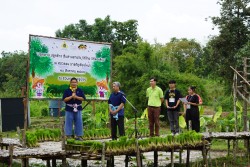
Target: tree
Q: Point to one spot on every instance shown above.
(42, 65)
(13, 74)
(101, 69)
(233, 24)
(121, 34)
(185, 54)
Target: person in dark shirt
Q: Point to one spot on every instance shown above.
(192, 110)
(116, 109)
(73, 97)
(172, 98)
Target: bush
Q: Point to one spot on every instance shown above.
(45, 112)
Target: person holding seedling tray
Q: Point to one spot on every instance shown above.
(73, 97)
(116, 109)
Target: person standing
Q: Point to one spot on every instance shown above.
(73, 97)
(155, 99)
(192, 110)
(172, 97)
(116, 109)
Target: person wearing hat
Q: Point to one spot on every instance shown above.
(172, 99)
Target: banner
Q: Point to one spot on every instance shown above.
(53, 62)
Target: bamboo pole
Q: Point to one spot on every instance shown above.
(246, 82)
(245, 120)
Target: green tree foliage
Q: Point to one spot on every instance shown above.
(233, 24)
(99, 68)
(13, 74)
(42, 65)
(121, 34)
(184, 53)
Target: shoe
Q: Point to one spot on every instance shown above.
(79, 138)
(69, 137)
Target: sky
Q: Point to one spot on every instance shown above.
(159, 20)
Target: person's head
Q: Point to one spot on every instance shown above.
(116, 86)
(191, 90)
(172, 84)
(153, 81)
(73, 82)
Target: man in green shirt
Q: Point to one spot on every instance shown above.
(155, 99)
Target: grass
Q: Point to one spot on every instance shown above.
(221, 145)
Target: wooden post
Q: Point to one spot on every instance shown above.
(103, 154)
(64, 161)
(126, 161)
(228, 147)
(63, 133)
(180, 156)
(25, 101)
(19, 133)
(25, 162)
(235, 100)
(245, 95)
(48, 162)
(234, 149)
(204, 152)
(155, 159)
(172, 157)
(11, 155)
(84, 163)
(53, 162)
(188, 157)
(138, 153)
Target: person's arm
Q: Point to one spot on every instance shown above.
(161, 96)
(177, 104)
(118, 109)
(78, 98)
(81, 96)
(195, 101)
(68, 98)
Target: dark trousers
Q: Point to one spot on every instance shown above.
(153, 118)
(114, 124)
(173, 118)
(194, 117)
